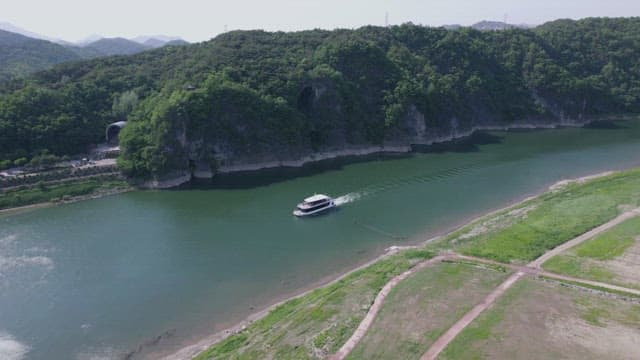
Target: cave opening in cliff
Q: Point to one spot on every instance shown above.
(305, 99)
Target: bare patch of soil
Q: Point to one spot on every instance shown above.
(613, 341)
(549, 321)
(627, 266)
(424, 306)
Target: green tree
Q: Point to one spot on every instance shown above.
(124, 104)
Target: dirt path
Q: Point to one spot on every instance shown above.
(377, 305)
(469, 317)
(537, 263)
(589, 282)
(461, 324)
(532, 268)
(539, 272)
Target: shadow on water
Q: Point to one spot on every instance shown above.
(605, 125)
(467, 144)
(253, 179)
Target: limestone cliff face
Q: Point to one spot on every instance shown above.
(226, 145)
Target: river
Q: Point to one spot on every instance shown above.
(148, 272)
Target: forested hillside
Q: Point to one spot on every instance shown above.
(251, 96)
(23, 55)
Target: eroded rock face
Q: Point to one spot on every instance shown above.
(415, 124)
(330, 128)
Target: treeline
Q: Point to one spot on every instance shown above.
(251, 92)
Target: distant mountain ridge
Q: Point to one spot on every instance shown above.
(6, 26)
(21, 55)
(122, 46)
(89, 39)
(488, 25)
(23, 52)
(160, 38)
(117, 46)
(178, 42)
(153, 41)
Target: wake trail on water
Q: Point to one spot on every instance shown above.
(10, 348)
(424, 178)
(15, 261)
(348, 198)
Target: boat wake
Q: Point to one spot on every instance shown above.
(424, 178)
(17, 262)
(10, 348)
(348, 198)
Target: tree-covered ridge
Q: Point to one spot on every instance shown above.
(21, 55)
(249, 93)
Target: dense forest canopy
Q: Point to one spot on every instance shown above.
(21, 55)
(248, 92)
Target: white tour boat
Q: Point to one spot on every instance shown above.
(314, 205)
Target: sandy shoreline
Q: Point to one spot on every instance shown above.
(202, 345)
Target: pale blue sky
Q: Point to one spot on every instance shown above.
(197, 20)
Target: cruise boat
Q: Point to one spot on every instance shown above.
(313, 205)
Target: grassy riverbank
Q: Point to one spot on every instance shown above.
(318, 323)
(39, 194)
(524, 232)
(610, 257)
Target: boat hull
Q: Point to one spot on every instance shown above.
(329, 206)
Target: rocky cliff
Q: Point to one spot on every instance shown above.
(284, 99)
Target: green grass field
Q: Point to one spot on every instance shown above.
(590, 259)
(528, 230)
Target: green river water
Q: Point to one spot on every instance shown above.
(151, 271)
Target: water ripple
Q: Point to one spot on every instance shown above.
(423, 178)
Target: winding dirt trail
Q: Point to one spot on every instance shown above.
(537, 263)
(589, 282)
(532, 268)
(461, 324)
(377, 305)
(529, 270)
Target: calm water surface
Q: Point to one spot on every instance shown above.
(102, 278)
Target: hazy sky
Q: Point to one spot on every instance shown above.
(197, 20)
